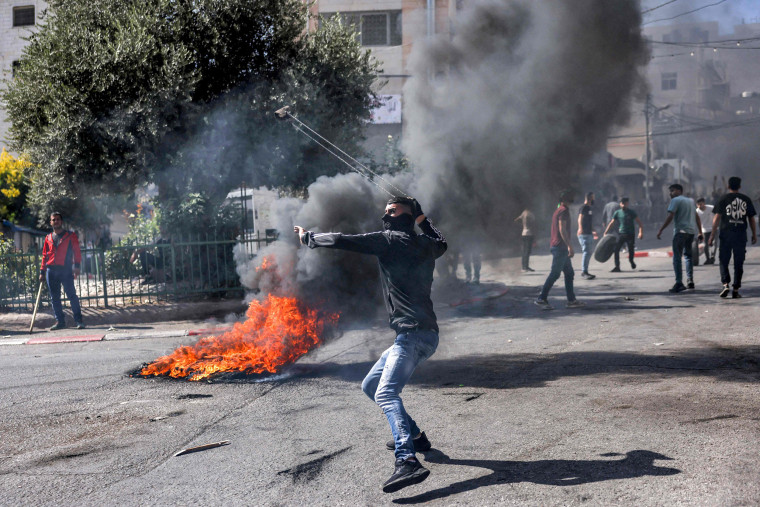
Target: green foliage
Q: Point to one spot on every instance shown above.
(143, 226)
(13, 185)
(113, 93)
(18, 272)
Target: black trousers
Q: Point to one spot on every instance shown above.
(736, 246)
(624, 239)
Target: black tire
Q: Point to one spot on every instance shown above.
(605, 248)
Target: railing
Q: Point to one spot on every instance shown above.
(185, 268)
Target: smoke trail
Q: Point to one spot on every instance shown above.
(519, 99)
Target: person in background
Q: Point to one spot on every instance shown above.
(686, 224)
(705, 213)
(732, 214)
(562, 252)
(586, 234)
(609, 209)
(624, 219)
(528, 221)
(61, 263)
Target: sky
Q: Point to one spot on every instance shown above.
(728, 12)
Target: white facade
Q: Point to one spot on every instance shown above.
(12, 41)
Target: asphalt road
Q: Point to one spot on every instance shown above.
(641, 398)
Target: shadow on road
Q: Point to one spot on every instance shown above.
(510, 371)
(554, 472)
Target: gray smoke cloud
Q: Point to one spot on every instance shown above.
(523, 95)
(498, 118)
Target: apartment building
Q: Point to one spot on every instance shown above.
(389, 29)
(18, 18)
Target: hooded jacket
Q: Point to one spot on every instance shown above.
(406, 260)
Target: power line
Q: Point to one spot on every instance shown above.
(655, 8)
(685, 13)
(687, 131)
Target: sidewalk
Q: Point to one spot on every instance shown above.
(18, 323)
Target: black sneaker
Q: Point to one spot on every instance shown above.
(57, 326)
(616, 269)
(421, 443)
(679, 287)
(725, 291)
(690, 284)
(408, 472)
(735, 294)
(79, 325)
(633, 265)
(588, 276)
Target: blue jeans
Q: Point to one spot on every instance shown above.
(587, 247)
(560, 264)
(682, 248)
(389, 375)
(55, 278)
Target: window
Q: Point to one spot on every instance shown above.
(23, 16)
(378, 28)
(14, 67)
(669, 80)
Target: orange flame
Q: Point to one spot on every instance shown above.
(277, 332)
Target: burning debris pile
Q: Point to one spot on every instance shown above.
(278, 331)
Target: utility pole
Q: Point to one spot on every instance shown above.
(649, 108)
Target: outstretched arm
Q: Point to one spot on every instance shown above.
(374, 243)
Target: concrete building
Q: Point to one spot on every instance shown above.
(389, 28)
(18, 18)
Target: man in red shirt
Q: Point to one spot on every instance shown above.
(61, 259)
(562, 252)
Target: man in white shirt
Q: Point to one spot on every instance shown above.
(705, 212)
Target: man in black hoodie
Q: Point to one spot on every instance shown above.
(406, 260)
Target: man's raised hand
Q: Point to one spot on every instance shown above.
(417, 213)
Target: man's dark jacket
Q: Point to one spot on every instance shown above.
(406, 262)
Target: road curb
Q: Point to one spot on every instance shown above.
(204, 332)
(174, 333)
(65, 339)
(653, 253)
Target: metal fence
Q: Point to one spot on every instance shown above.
(201, 266)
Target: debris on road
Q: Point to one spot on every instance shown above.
(202, 448)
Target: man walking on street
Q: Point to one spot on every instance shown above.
(406, 260)
(586, 234)
(624, 218)
(562, 252)
(732, 213)
(61, 261)
(705, 214)
(686, 224)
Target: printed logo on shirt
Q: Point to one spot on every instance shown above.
(736, 211)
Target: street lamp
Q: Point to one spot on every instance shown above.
(649, 108)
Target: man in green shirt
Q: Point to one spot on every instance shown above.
(624, 219)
